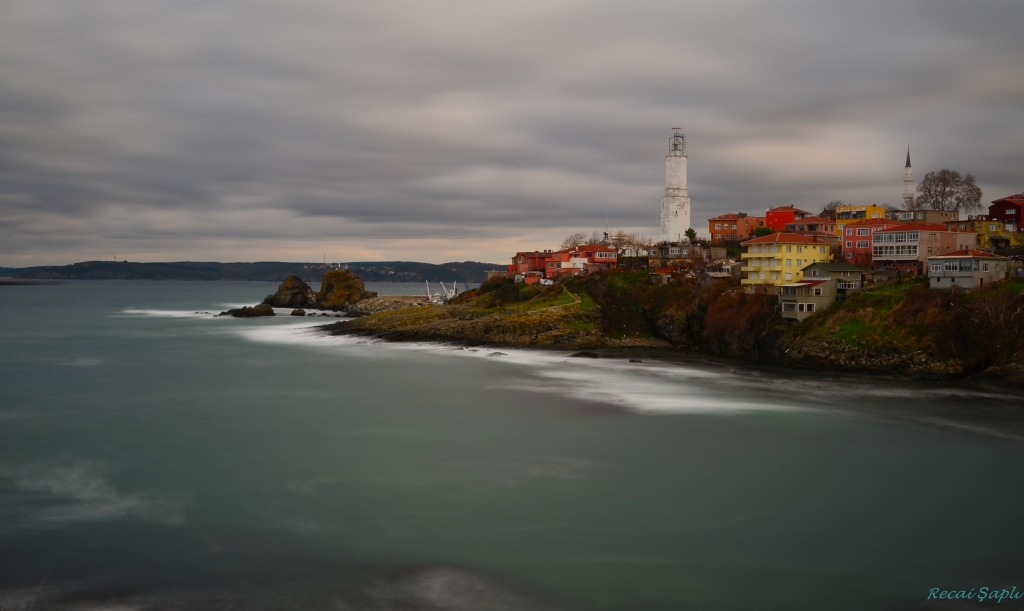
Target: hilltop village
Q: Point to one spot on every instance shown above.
(809, 260)
(902, 291)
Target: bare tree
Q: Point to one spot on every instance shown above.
(829, 210)
(573, 240)
(595, 237)
(947, 190)
(891, 212)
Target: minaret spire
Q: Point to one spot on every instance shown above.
(908, 184)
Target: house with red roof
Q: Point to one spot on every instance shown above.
(586, 259)
(777, 218)
(1008, 210)
(967, 269)
(906, 247)
(855, 242)
(729, 227)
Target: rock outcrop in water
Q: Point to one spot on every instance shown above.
(340, 289)
(293, 293)
(376, 305)
(262, 309)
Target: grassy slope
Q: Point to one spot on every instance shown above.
(905, 328)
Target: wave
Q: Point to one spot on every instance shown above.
(649, 387)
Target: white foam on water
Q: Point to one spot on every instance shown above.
(170, 313)
(649, 387)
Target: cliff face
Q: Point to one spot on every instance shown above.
(341, 288)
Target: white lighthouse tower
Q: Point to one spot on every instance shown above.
(675, 205)
(908, 185)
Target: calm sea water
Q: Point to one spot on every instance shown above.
(153, 457)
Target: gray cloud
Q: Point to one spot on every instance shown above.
(451, 130)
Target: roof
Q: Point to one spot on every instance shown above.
(1016, 198)
(718, 274)
(786, 238)
(812, 220)
(875, 222)
(908, 156)
(725, 217)
(921, 227)
(968, 253)
(807, 282)
(837, 267)
(787, 209)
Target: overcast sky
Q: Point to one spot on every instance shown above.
(437, 131)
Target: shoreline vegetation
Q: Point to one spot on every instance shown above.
(901, 330)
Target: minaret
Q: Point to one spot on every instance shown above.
(675, 205)
(908, 185)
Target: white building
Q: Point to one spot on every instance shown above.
(675, 205)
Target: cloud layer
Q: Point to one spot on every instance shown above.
(466, 130)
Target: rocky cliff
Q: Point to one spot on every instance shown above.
(340, 289)
(904, 330)
(293, 293)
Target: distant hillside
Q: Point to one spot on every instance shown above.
(272, 271)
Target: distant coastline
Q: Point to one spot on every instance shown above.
(266, 271)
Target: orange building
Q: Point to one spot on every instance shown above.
(733, 227)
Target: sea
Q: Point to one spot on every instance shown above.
(154, 456)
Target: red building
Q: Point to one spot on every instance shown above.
(1008, 210)
(777, 218)
(729, 227)
(856, 241)
(585, 259)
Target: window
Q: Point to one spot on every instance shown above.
(993, 227)
(817, 291)
(789, 248)
(849, 244)
(762, 276)
(551, 264)
(733, 227)
(775, 275)
(800, 307)
(862, 243)
(863, 232)
(984, 267)
(1011, 211)
(814, 272)
(799, 262)
(789, 275)
(799, 248)
(756, 262)
(849, 232)
(810, 307)
(929, 250)
(932, 237)
(718, 225)
(788, 306)
(821, 249)
(789, 262)
(849, 255)
(757, 248)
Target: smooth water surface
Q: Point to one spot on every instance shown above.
(153, 456)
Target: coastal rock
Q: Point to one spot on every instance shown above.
(375, 305)
(298, 312)
(293, 293)
(262, 309)
(340, 289)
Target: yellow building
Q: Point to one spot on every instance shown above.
(992, 233)
(848, 213)
(779, 258)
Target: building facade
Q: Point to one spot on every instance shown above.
(848, 213)
(992, 233)
(814, 225)
(776, 259)
(906, 247)
(729, 227)
(777, 218)
(822, 284)
(675, 204)
(586, 259)
(855, 242)
(967, 269)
